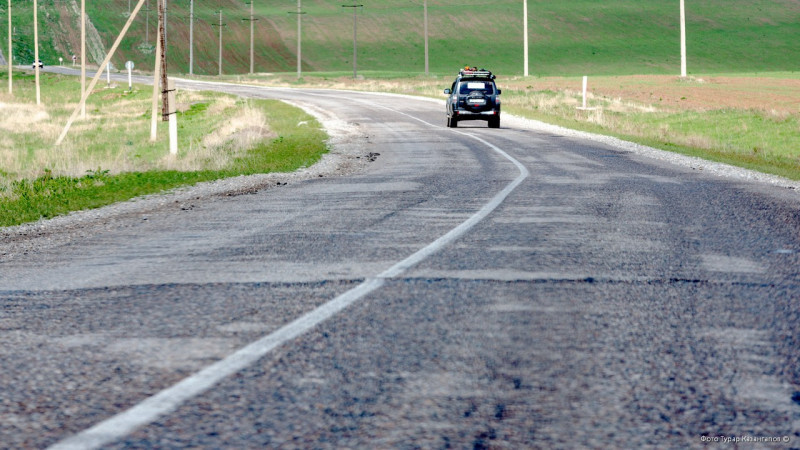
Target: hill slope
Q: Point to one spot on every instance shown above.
(566, 38)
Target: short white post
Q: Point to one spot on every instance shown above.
(173, 119)
(585, 79)
(60, 61)
(129, 66)
(108, 74)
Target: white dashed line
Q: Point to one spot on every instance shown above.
(171, 398)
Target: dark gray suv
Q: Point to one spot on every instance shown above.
(473, 96)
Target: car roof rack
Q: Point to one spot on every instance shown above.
(475, 72)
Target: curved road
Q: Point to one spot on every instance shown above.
(472, 288)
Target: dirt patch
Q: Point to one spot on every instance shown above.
(674, 93)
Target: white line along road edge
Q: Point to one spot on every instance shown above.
(126, 422)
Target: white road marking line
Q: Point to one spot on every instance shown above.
(171, 398)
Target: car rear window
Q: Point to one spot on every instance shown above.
(470, 85)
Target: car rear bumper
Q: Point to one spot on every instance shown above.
(470, 115)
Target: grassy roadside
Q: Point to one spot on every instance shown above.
(746, 120)
(109, 158)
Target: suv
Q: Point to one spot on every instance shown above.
(473, 96)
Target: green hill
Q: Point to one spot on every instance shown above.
(566, 38)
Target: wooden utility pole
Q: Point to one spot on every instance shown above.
(252, 29)
(425, 27)
(252, 20)
(165, 24)
(36, 50)
(191, 37)
(220, 25)
(156, 84)
(299, 39)
(355, 34)
(220, 42)
(10, 54)
(162, 38)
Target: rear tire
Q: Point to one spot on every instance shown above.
(494, 122)
(452, 122)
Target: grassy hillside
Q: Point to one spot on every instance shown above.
(612, 37)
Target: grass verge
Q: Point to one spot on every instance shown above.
(109, 157)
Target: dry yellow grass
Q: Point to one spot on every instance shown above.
(16, 116)
(29, 133)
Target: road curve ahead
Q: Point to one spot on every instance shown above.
(472, 288)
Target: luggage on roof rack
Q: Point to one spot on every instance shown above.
(475, 72)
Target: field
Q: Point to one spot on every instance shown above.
(620, 37)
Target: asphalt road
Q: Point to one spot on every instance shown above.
(471, 288)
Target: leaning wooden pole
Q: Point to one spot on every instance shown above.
(99, 72)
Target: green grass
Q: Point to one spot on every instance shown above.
(753, 139)
(566, 38)
(128, 164)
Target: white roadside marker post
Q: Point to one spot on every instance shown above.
(583, 106)
(129, 66)
(585, 81)
(108, 75)
(173, 119)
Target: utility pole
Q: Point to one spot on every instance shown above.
(162, 31)
(252, 30)
(36, 50)
(525, 33)
(156, 82)
(299, 40)
(683, 40)
(355, 45)
(83, 58)
(10, 54)
(191, 37)
(165, 25)
(425, 26)
(220, 41)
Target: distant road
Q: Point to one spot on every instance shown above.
(472, 288)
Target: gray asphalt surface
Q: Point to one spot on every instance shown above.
(610, 301)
